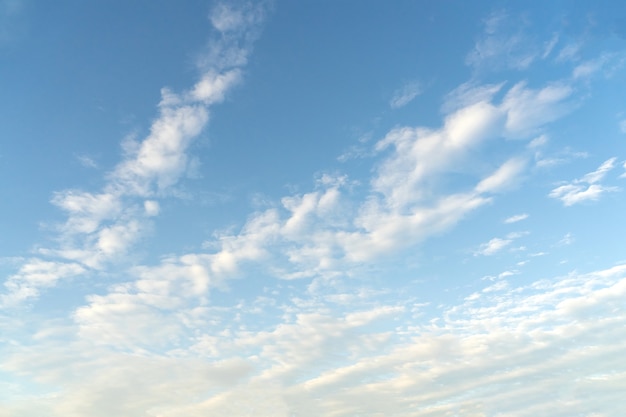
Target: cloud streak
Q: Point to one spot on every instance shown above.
(405, 95)
(587, 188)
(516, 218)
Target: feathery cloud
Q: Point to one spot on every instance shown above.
(405, 95)
(516, 218)
(586, 188)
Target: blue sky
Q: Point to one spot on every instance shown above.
(312, 208)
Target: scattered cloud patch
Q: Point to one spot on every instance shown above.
(493, 246)
(587, 188)
(538, 142)
(497, 244)
(307, 306)
(86, 161)
(35, 274)
(405, 95)
(569, 52)
(504, 177)
(496, 344)
(606, 63)
(505, 43)
(151, 207)
(469, 93)
(568, 239)
(528, 109)
(549, 46)
(516, 218)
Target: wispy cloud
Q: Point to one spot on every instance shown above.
(405, 95)
(504, 177)
(516, 218)
(528, 109)
(549, 46)
(606, 64)
(493, 246)
(569, 52)
(469, 93)
(586, 188)
(505, 43)
(497, 244)
(86, 161)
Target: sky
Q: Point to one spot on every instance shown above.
(312, 208)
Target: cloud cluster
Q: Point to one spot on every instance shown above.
(324, 233)
(168, 339)
(553, 346)
(101, 227)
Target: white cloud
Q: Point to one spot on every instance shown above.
(586, 188)
(503, 177)
(243, 18)
(211, 88)
(568, 239)
(164, 344)
(528, 109)
(549, 46)
(151, 207)
(86, 211)
(538, 142)
(508, 350)
(421, 153)
(101, 227)
(323, 232)
(496, 244)
(225, 18)
(493, 246)
(469, 93)
(405, 95)
(569, 52)
(516, 218)
(35, 274)
(573, 194)
(587, 69)
(598, 174)
(608, 63)
(86, 161)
